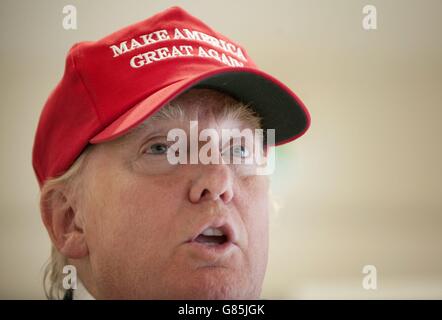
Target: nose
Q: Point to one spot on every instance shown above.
(212, 182)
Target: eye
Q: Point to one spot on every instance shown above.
(240, 151)
(158, 148)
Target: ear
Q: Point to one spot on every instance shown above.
(63, 222)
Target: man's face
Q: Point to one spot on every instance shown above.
(143, 217)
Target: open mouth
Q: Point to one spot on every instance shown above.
(213, 241)
(211, 237)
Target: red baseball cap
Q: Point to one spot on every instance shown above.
(112, 85)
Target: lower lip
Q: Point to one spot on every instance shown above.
(211, 251)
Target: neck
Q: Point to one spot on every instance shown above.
(81, 293)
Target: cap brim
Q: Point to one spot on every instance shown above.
(275, 103)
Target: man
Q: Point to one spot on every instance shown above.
(129, 198)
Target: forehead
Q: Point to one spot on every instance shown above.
(204, 105)
(200, 103)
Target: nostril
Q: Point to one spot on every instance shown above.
(204, 193)
(226, 197)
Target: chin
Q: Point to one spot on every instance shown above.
(215, 288)
(216, 293)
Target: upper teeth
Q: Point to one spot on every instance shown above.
(212, 232)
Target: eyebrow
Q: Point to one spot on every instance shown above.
(149, 128)
(176, 113)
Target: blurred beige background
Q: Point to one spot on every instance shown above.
(362, 187)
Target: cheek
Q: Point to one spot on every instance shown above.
(255, 208)
(133, 216)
